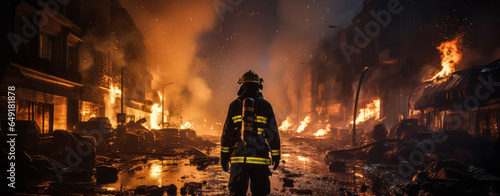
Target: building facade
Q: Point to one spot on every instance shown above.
(61, 72)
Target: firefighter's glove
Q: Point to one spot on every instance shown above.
(224, 162)
(276, 162)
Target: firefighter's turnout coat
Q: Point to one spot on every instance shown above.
(234, 149)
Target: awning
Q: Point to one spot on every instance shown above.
(35, 80)
(454, 89)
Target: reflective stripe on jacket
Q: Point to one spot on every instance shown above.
(268, 140)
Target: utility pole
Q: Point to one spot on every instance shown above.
(121, 118)
(122, 93)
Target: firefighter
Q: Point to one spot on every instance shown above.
(249, 135)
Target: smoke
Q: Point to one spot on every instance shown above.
(304, 25)
(276, 39)
(103, 43)
(203, 56)
(171, 30)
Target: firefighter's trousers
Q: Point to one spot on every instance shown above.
(258, 175)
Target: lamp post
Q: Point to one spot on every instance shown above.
(356, 106)
(162, 101)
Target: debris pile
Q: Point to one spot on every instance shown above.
(421, 162)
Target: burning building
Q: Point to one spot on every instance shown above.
(44, 65)
(398, 41)
(421, 65)
(465, 100)
(69, 68)
(113, 53)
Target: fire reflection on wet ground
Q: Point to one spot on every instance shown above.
(166, 172)
(302, 171)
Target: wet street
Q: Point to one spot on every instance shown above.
(302, 171)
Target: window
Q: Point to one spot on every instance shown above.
(72, 52)
(41, 113)
(72, 57)
(60, 108)
(45, 46)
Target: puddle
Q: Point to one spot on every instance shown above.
(166, 172)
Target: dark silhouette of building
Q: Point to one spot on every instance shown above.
(62, 59)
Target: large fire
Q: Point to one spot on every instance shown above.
(155, 117)
(187, 125)
(286, 124)
(114, 92)
(110, 103)
(304, 124)
(371, 110)
(322, 132)
(450, 57)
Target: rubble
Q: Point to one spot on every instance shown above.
(42, 164)
(372, 168)
(201, 159)
(149, 190)
(288, 182)
(106, 174)
(192, 187)
(449, 163)
(171, 190)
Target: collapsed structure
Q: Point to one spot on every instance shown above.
(467, 100)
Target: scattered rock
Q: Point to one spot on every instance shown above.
(106, 174)
(154, 191)
(171, 189)
(288, 182)
(302, 191)
(293, 175)
(183, 191)
(363, 188)
(140, 190)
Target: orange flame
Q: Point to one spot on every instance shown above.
(304, 124)
(322, 132)
(286, 124)
(110, 103)
(155, 116)
(114, 92)
(371, 110)
(187, 125)
(450, 57)
(160, 95)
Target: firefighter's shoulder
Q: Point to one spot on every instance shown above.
(265, 103)
(236, 102)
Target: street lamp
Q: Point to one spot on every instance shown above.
(162, 101)
(356, 105)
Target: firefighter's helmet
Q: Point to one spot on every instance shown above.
(250, 77)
